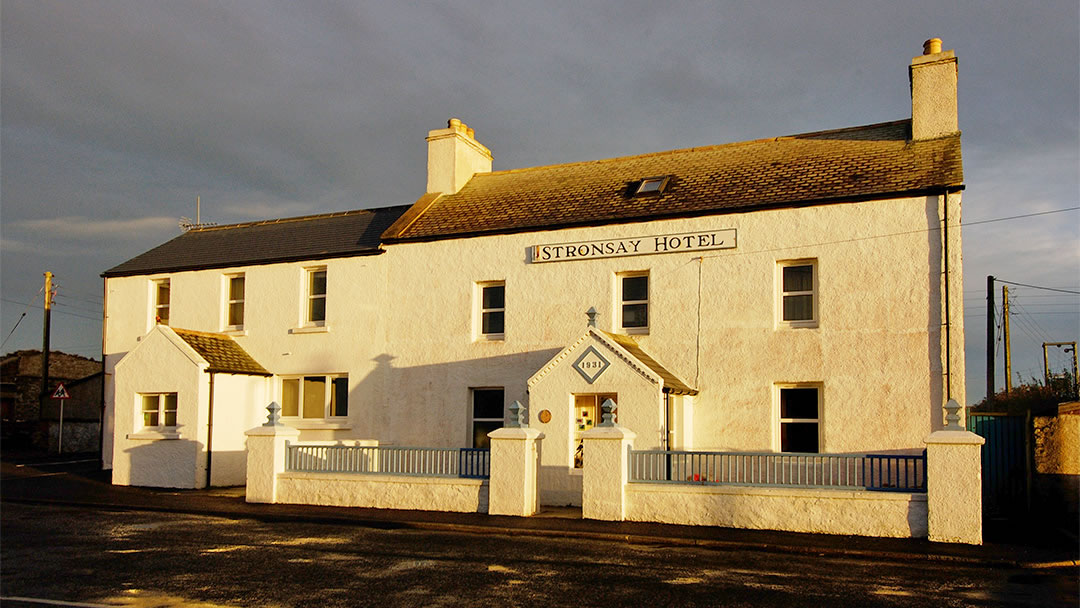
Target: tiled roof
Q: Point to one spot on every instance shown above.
(672, 384)
(222, 353)
(303, 238)
(857, 163)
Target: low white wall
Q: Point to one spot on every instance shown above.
(384, 491)
(857, 512)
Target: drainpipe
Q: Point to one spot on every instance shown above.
(948, 279)
(210, 432)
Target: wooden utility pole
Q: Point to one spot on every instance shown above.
(1005, 330)
(1071, 348)
(989, 338)
(44, 396)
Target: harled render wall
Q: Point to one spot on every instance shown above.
(401, 324)
(878, 349)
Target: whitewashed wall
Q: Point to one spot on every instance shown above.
(148, 458)
(239, 404)
(401, 324)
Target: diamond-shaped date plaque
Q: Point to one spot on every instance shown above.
(591, 364)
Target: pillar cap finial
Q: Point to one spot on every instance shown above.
(952, 416)
(608, 407)
(517, 416)
(274, 417)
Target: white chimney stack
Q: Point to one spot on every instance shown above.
(454, 156)
(933, 92)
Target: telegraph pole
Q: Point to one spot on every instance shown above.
(1005, 330)
(989, 338)
(45, 343)
(1071, 347)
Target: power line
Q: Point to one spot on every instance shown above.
(903, 233)
(22, 316)
(1036, 286)
(63, 312)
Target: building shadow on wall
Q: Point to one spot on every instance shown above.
(430, 405)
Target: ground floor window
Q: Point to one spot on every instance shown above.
(312, 397)
(587, 413)
(800, 418)
(159, 410)
(487, 414)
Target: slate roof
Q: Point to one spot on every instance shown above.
(859, 163)
(221, 352)
(672, 384)
(323, 236)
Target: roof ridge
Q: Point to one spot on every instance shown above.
(733, 144)
(299, 218)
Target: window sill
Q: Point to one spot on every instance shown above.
(149, 435)
(635, 331)
(796, 325)
(317, 425)
(311, 329)
(241, 332)
(491, 338)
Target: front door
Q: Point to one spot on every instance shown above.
(587, 414)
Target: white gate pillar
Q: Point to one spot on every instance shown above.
(605, 470)
(954, 482)
(266, 446)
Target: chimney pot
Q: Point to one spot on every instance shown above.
(931, 46)
(454, 156)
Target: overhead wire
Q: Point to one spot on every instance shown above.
(21, 316)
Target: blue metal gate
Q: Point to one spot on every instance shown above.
(1004, 483)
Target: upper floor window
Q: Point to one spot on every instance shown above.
(234, 303)
(798, 293)
(159, 410)
(321, 396)
(161, 301)
(492, 310)
(634, 302)
(316, 296)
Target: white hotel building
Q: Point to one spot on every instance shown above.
(798, 294)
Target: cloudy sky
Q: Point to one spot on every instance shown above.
(116, 115)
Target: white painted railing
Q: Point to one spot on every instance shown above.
(389, 460)
(903, 472)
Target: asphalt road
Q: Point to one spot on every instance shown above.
(79, 556)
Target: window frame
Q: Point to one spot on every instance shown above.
(309, 296)
(230, 301)
(480, 311)
(329, 396)
(814, 319)
(161, 413)
(156, 306)
(780, 421)
(621, 301)
(473, 419)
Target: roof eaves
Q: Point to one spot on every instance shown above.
(109, 274)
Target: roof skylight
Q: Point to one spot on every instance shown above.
(652, 185)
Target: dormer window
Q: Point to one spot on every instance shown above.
(652, 185)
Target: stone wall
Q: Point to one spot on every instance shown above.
(1057, 461)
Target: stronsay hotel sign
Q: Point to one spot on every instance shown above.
(644, 245)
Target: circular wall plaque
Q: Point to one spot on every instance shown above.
(545, 416)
